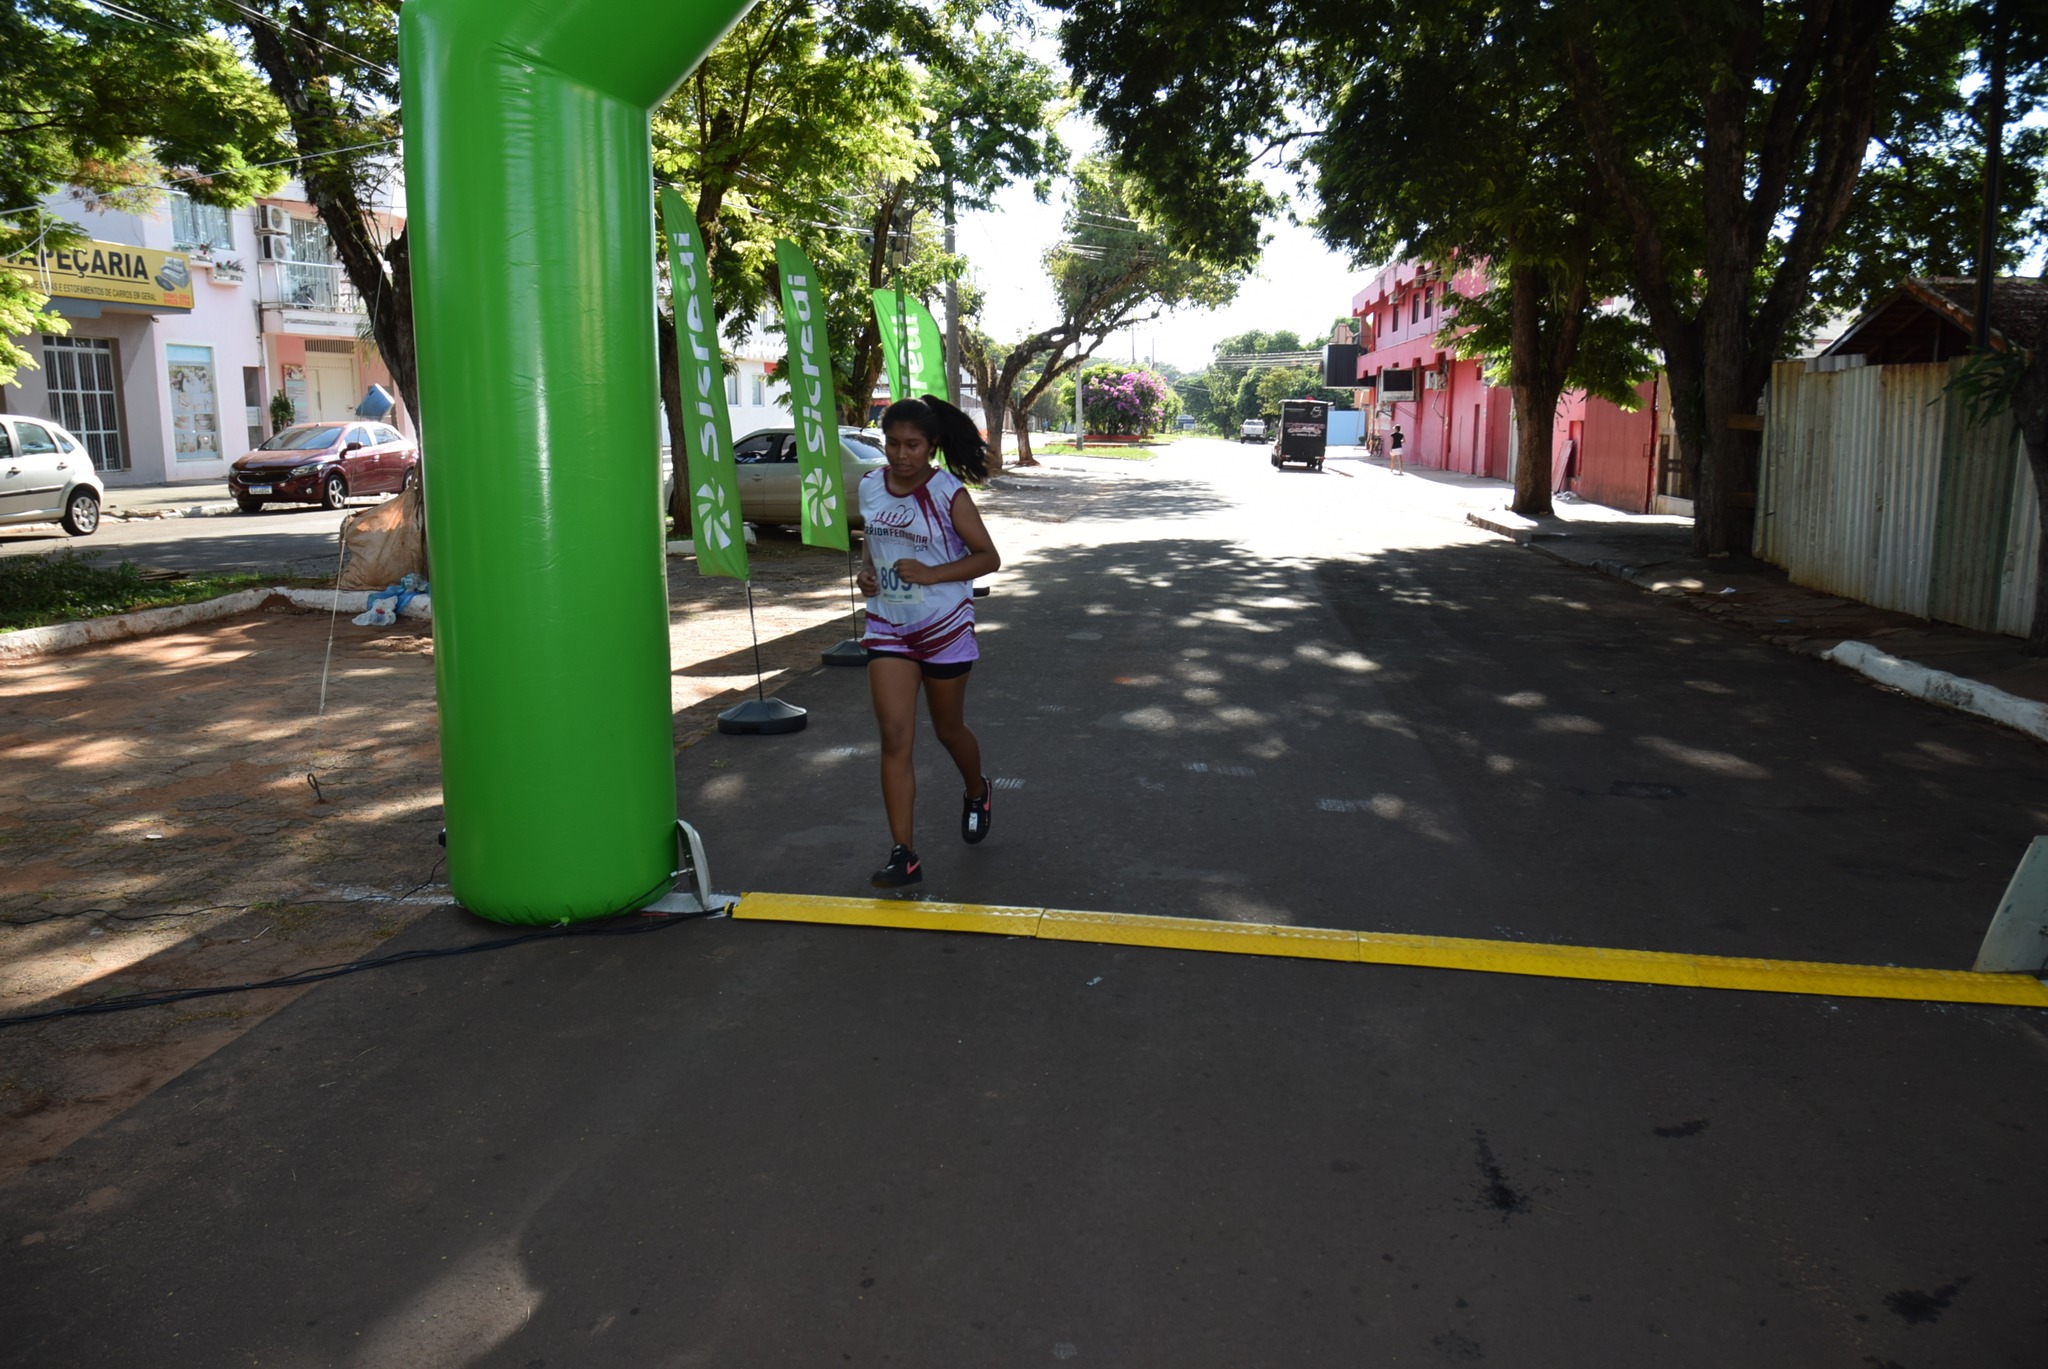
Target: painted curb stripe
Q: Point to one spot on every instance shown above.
(1428, 952)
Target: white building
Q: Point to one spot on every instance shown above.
(184, 324)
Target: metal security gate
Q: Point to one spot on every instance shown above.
(83, 397)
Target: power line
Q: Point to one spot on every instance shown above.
(389, 73)
(171, 184)
(120, 11)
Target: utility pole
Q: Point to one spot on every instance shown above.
(901, 216)
(1994, 165)
(952, 293)
(1080, 424)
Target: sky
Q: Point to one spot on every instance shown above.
(1301, 285)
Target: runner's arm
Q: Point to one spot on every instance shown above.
(867, 582)
(982, 557)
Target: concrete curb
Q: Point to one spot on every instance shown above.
(1940, 687)
(1509, 525)
(187, 511)
(43, 641)
(1908, 677)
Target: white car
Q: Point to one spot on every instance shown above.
(46, 476)
(769, 492)
(1252, 430)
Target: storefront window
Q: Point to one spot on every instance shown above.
(195, 403)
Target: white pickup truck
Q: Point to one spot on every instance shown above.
(1252, 430)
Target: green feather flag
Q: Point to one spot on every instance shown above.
(707, 428)
(812, 399)
(925, 344)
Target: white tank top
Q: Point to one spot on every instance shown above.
(930, 622)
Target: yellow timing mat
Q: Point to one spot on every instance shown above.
(1390, 948)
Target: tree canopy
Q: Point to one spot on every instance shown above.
(117, 105)
(1423, 130)
(1701, 163)
(1112, 268)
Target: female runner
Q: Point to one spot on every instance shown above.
(924, 546)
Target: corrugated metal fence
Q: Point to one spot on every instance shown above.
(1876, 486)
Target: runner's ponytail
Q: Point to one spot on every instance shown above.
(951, 432)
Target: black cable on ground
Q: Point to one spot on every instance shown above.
(654, 922)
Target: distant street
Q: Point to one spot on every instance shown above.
(1209, 690)
(287, 539)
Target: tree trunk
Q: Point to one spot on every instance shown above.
(668, 360)
(1022, 420)
(995, 404)
(1535, 391)
(380, 273)
(1688, 411)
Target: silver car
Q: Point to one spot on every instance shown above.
(769, 489)
(46, 476)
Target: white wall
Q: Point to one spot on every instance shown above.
(223, 319)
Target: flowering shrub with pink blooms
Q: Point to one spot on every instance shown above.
(1125, 402)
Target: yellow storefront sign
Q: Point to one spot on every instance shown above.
(111, 272)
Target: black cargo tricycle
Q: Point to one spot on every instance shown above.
(1304, 433)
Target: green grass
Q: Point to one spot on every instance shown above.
(1122, 449)
(63, 587)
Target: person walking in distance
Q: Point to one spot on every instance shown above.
(1394, 444)
(925, 544)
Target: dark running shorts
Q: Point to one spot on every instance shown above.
(931, 670)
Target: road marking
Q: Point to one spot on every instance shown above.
(1391, 948)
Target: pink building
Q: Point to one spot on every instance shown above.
(1452, 420)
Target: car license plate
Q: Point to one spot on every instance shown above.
(259, 489)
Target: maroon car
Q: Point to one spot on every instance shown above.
(325, 463)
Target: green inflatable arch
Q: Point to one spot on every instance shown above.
(531, 218)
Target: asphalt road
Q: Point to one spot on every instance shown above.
(289, 540)
(1219, 691)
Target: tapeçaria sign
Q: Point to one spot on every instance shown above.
(111, 272)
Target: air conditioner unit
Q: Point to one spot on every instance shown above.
(272, 248)
(1432, 380)
(273, 218)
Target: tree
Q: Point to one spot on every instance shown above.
(1434, 130)
(832, 126)
(1919, 198)
(1113, 268)
(1297, 382)
(2015, 376)
(113, 105)
(334, 68)
(1774, 103)
(795, 125)
(1121, 399)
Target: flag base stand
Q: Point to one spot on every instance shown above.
(762, 717)
(848, 652)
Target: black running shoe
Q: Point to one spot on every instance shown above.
(903, 868)
(976, 814)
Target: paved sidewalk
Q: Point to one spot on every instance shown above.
(157, 828)
(1654, 552)
(183, 499)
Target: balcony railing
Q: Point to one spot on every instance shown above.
(314, 285)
